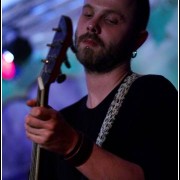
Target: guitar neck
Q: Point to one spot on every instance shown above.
(35, 159)
(42, 100)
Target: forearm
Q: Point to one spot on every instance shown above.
(104, 165)
(99, 165)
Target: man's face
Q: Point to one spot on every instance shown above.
(104, 37)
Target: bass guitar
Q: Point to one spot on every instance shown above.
(51, 72)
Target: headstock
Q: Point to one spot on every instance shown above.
(57, 52)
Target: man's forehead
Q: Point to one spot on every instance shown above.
(111, 3)
(120, 6)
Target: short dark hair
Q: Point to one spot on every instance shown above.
(142, 14)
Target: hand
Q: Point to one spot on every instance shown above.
(46, 127)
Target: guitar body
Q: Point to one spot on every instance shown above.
(41, 170)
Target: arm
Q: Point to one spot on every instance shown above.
(54, 134)
(104, 165)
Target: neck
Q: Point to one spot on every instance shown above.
(100, 85)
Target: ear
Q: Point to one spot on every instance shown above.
(141, 38)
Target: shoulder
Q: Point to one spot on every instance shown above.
(154, 84)
(154, 80)
(152, 93)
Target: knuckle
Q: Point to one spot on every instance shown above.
(28, 135)
(51, 124)
(36, 111)
(27, 118)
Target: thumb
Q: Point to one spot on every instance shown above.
(34, 102)
(31, 103)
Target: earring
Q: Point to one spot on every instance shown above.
(134, 54)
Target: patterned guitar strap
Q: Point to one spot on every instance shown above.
(114, 108)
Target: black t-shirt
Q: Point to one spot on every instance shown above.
(145, 130)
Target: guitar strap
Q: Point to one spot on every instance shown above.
(114, 108)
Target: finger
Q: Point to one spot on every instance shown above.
(33, 130)
(40, 136)
(34, 122)
(31, 102)
(40, 113)
(35, 137)
(44, 113)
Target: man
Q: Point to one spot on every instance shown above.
(120, 129)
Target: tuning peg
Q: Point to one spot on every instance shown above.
(57, 29)
(51, 45)
(55, 44)
(61, 78)
(58, 42)
(46, 61)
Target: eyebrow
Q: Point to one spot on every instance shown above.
(87, 6)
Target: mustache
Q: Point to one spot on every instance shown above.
(94, 37)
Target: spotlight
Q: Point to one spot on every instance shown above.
(8, 66)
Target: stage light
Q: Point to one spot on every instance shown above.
(8, 66)
(15, 54)
(8, 56)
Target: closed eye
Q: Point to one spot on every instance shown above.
(111, 21)
(88, 15)
(88, 11)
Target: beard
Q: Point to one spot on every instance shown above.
(102, 59)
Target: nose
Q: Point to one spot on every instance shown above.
(93, 28)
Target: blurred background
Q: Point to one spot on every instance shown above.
(26, 29)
